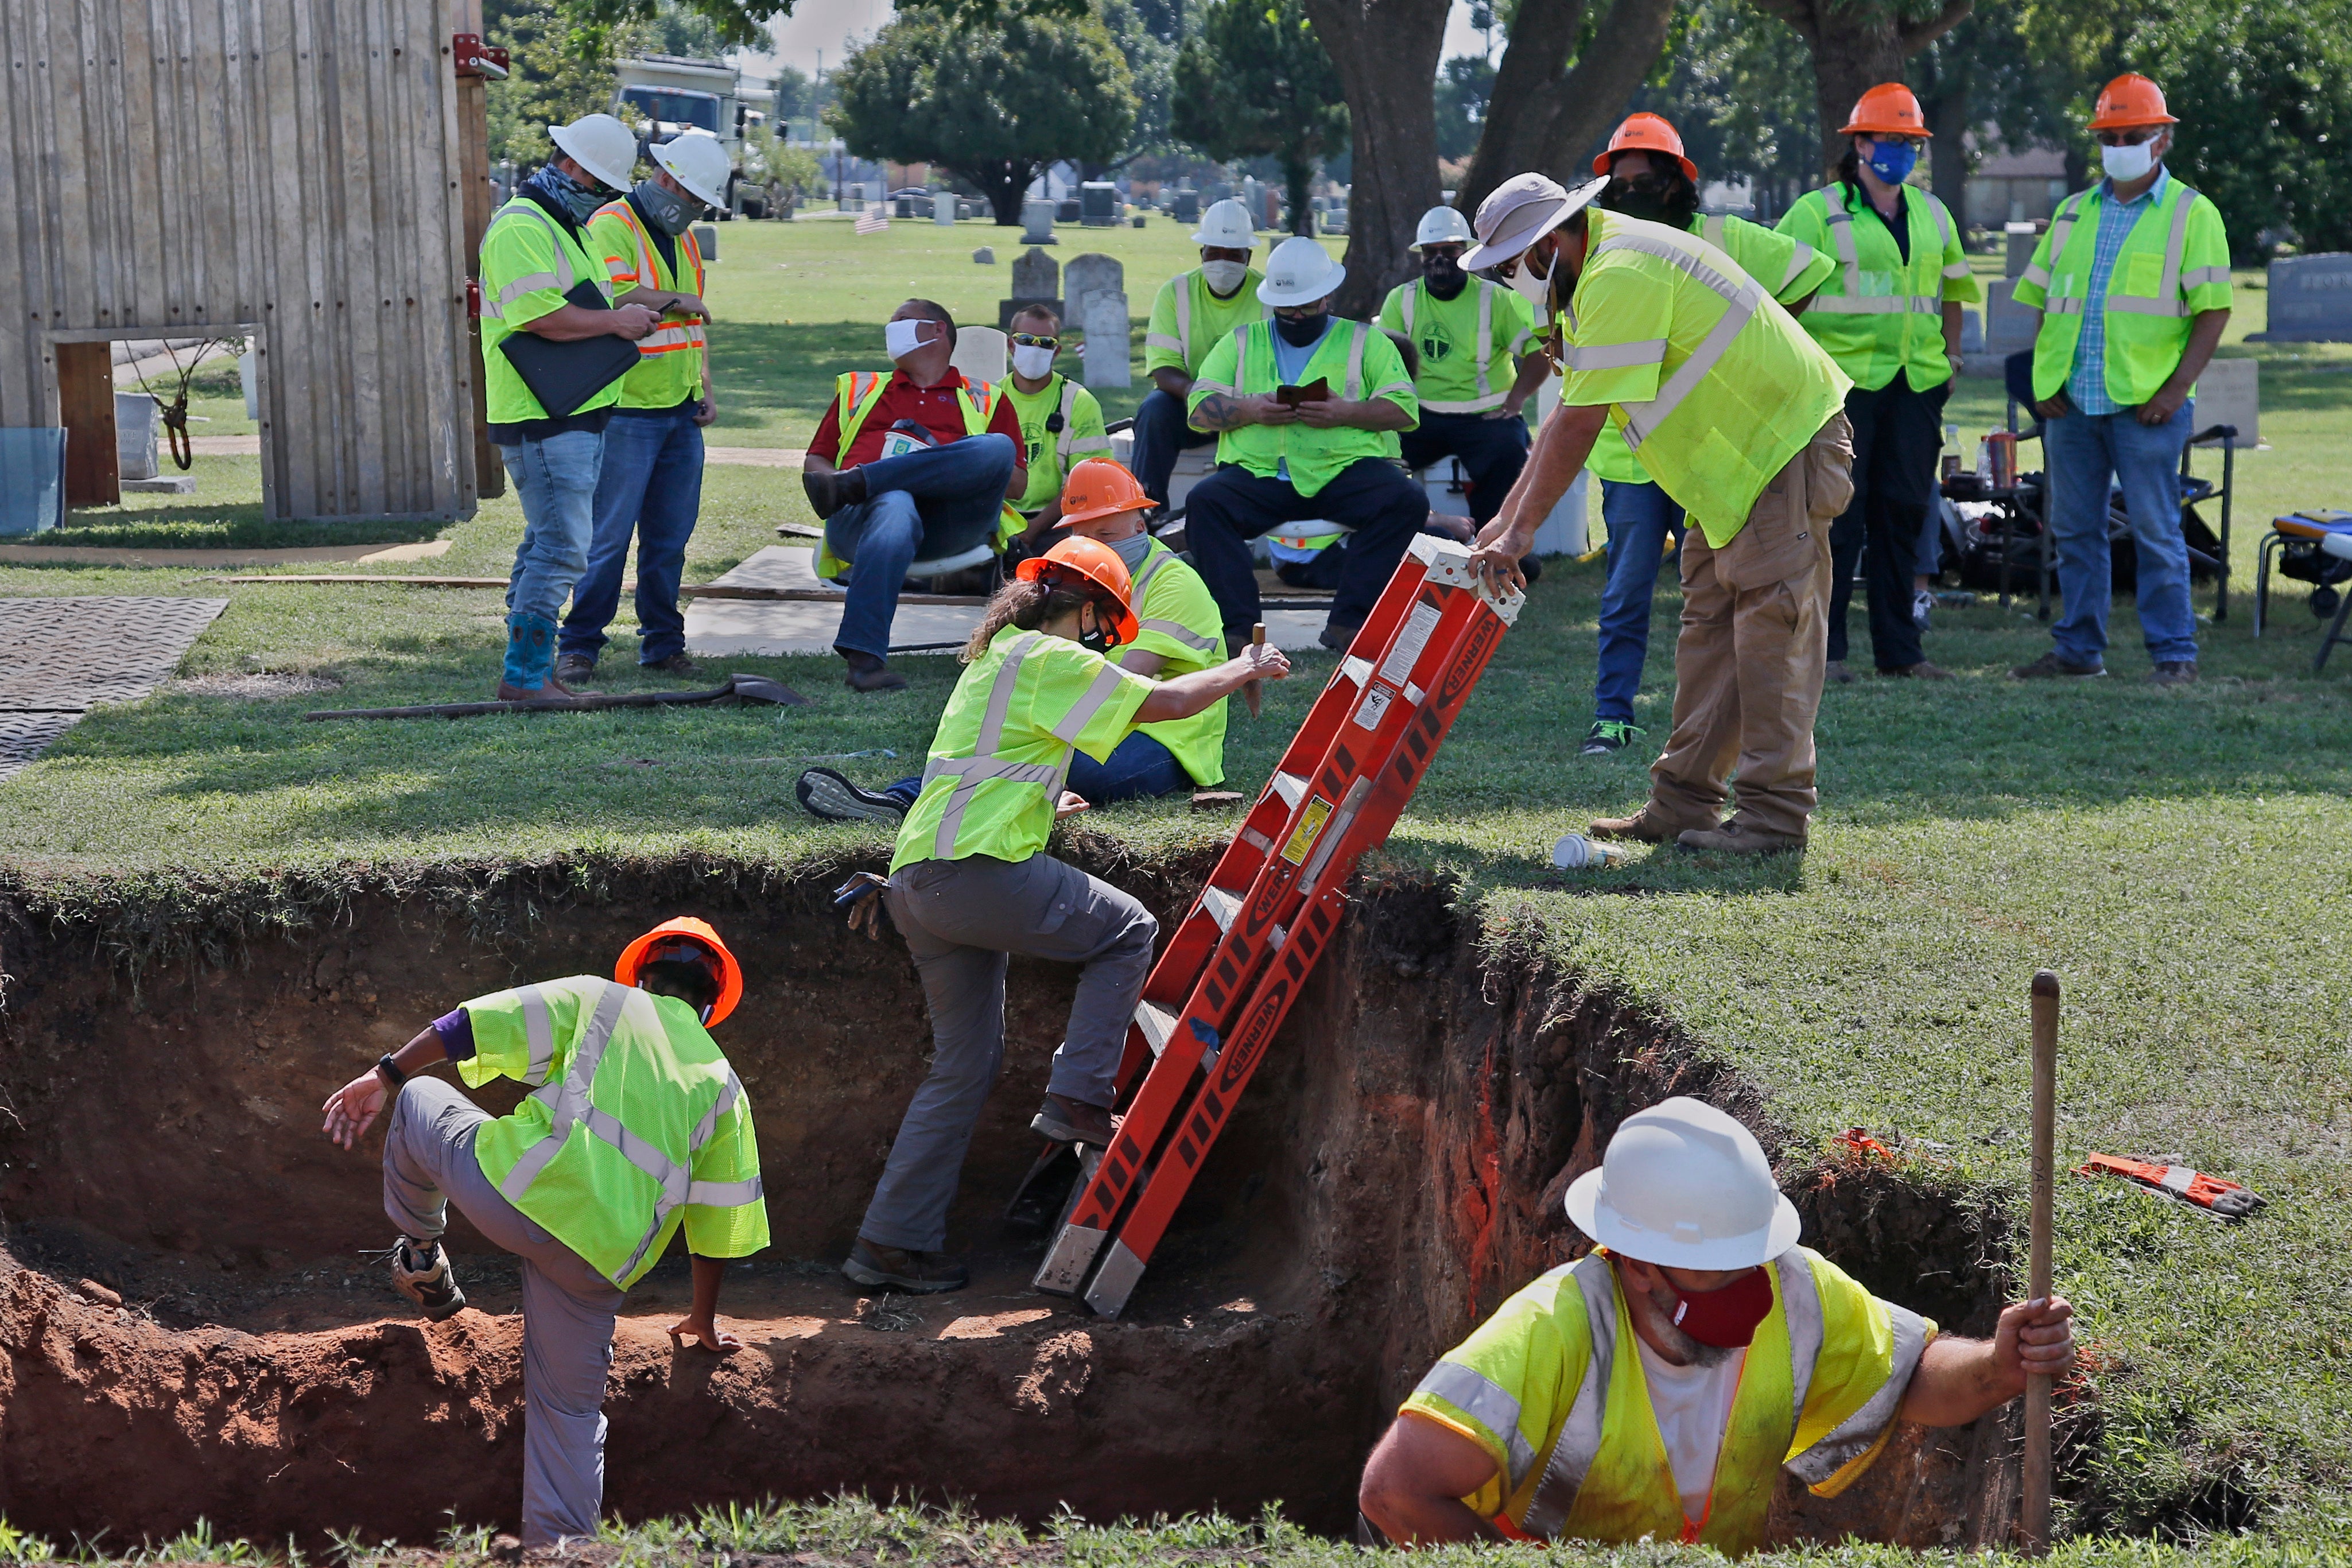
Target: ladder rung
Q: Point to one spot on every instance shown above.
(1157, 1023)
(1221, 906)
(1256, 840)
(1290, 787)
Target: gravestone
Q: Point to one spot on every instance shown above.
(1067, 210)
(943, 208)
(137, 421)
(1036, 222)
(1098, 204)
(1972, 330)
(2022, 238)
(986, 256)
(1036, 281)
(1253, 199)
(2230, 393)
(1187, 209)
(1088, 276)
(2311, 302)
(1104, 316)
(1216, 193)
(706, 240)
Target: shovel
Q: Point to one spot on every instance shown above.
(1250, 693)
(741, 687)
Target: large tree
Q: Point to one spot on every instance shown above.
(991, 99)
(1386, 52)
(1547, 112)
(1739, 88)
(1857, 45)
(1989, 77)
(1256, 83)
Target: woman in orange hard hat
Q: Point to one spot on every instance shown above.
(971, 882)
(1650, 178)
(1889, 313)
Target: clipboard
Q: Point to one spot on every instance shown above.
(564, 376)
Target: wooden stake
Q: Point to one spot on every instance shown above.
(1250, 693)
(2034, 1527)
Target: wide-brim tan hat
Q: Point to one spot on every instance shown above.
(1522, 210)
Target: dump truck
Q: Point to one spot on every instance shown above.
(659, 95)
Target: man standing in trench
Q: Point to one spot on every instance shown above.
(635, 1124)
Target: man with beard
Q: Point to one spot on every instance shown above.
(1657, 1388)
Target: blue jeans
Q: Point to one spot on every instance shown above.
(1640, 517)
(932, 502)
(2084, 449)
(1162, 432)
(555, 480)
(651, 486)
(1140, 766)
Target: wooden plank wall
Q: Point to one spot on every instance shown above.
(184, 166)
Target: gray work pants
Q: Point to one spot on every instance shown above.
(961, 920)
(567, 1307)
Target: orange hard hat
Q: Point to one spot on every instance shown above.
(1100, 487)
(1647, 132)
(2130, 101)
(667, 940)
(1084, 566)
(1887, 109)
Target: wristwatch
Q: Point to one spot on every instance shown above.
(391, 1071)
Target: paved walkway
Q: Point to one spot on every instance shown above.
(732, 457)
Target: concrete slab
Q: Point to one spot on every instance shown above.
(95, 555)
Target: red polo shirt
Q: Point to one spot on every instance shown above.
(933, 407)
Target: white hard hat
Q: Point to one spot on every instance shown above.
(1442, 225)
(1226, 225)
(1299, 272)
(599, 144)
(1685, 1185)
(697, 161)
(1522, 210)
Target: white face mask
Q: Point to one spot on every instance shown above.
(1036, 364)
(903, 338)
(1224, 276)
(1534, 290)
(2126, 164)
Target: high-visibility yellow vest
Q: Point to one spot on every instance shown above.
(1052, 451)
(1188, 320)
(528, 262)
(670, 357)
(1484, 318)
(635, 1124)
(1003, 746)
(854, 393)
(2175, 265)
(1715, 385)
(1180, 622)
(1877, 313)
(1552, 1388)
(1786, 265)
(1355, 357)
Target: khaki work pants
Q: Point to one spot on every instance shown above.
(1749, 664)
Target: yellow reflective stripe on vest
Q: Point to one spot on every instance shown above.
(855, 394)
(1742, 299)
(1854, 302)
(563, 277)
(971, 772)
(1615, 356)
(1579, 1437)
(567, 1098)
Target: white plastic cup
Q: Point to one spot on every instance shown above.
(1578, 853)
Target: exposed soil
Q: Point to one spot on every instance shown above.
(1394, 1173)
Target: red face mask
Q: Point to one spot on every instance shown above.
(1726, 1317)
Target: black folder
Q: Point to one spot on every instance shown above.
(563, 376)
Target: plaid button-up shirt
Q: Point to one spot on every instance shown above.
(2087, 381)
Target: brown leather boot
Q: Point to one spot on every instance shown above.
(1734, 837)
(1641, 827)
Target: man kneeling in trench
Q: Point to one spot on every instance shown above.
(1654, 1388)
(636, 1123)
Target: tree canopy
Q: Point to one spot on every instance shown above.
(1256, 83)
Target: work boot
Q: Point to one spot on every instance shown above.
(832, 489)
(2174, 672)
(1609, 735)
(676, 663)
(1923, 671)
(1641, 827)
(1835, 673)
(891, 1269)
(575, 669)
(1333, 636)
(420, 1271)
(1067, 1120)
(1735, 838)
(2050, 666)
(553, 687)
(829, 797)
(868, 673)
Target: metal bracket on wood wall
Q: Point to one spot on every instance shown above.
(475, 58)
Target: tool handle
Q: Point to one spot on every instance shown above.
(2034, 1527)
(1250, 690)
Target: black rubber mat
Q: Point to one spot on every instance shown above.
(59, 657)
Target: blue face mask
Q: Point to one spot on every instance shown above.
(1892, 161)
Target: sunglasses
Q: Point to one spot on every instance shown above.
(1033, 340)
(2131, 138)
(1914, 143)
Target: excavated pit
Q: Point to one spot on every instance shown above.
(1394, 1173)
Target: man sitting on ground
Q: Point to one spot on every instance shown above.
(1061, 422)
(914, 466)
(1193, 313)
(1307, 408)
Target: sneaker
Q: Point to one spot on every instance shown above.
(829, 797)
(1067, 1120)
(1923, 671)
(574, 669)
(1835, 673)
(891, 1269)
(1641, 827)
(2050, 666)
(1734, 837)
(1610, 735)
(1923, 604)
(2175, 672)
(420, 1271)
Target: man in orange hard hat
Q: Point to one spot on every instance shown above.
(2133, 283)
(635, 1126)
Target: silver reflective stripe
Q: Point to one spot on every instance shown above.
(1801, 1309)
(2064, 305)
(1160, 557)
(567, 1098)
(1877, 305)
(2199, 277)
(539, 1030)
(1799, 260)
(561, 277)
(1355, 384)
(1842, 235)
(1487, 1403)
(724, 1194)
(1213, 386)
(707, 1128)
(1177, 629)
(1957, 270)
(1485, 335)
(1711, 230)
(975, 771)
(1854, 1435)
(991, 732)
(1854, 302)
(677, 1184)
(1579, 1443)
(1616, 356)
(1082, 712)
(2036, 275)
(1411, 293)
(1162, 340)
(1742, 299)
(2061, 229)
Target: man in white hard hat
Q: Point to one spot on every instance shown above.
(539, 277)
(1305, 409)
(1467, 331)
(651, 485)
(1739, 416)
(1192, 313)
(1657, 1388)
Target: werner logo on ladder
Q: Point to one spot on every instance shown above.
(1244, 951)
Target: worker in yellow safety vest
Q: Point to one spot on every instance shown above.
(1657, 1389)
(1061, 422)
(1651, 178)
(1890, 316)
(1191, 314)
(2132, 281)
(634, 1127)
(971, 882)
(1737, 415)
(650, 486)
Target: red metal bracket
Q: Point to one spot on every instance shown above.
(475, 58)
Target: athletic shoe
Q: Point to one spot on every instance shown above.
(1923, 604)
(891, 1269)
(420, 1271)
(2050, 666)
(829, 797)
(1610, 735)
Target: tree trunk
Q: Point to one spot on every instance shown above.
(1386, 52)
(1856, 46)
(1003, 182)
(1538, 121)
(1947, 118)
(1298, 191)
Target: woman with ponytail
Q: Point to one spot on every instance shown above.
(971, 882)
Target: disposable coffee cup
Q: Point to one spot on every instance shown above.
(1578, 853)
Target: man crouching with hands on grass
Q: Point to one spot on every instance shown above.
(635, 1124)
